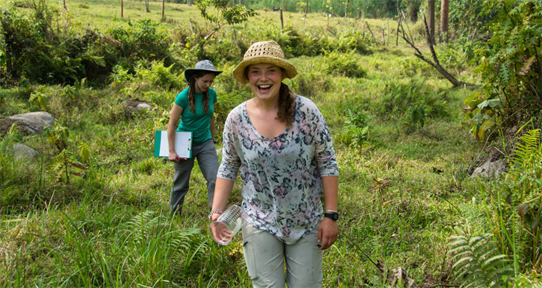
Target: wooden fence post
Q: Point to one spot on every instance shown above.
(281, 21)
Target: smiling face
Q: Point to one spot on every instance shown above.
(204, 82)
(265, 80)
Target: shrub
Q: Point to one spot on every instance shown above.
(142, 40)
(401, 99)
(158, 76)
(510, 66)
(343, 64)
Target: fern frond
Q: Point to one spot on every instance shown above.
(478, 263)
(527, 152)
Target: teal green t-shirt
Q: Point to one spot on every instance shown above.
(198, 123)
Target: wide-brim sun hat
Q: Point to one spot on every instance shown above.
(203, 65)
(263, 52)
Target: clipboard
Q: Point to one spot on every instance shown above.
(183, 144)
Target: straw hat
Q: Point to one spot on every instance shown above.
(203, 65)
(263, 52)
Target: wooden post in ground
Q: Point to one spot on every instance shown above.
(163, 10)
(281, 21)
(384, 34)
(388, 41)
(374, 39)
(397, 31)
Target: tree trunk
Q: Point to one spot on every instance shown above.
(444, 10)
(189, 2)
(306, 8)
(431, 20)
(147, 6)
(121, 8)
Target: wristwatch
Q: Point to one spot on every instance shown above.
(333, 216)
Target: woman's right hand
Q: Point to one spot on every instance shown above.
(220, 232)
(174, 157)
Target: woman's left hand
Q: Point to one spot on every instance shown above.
(327, 233)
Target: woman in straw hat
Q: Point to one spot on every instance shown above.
(281, 144)
(194, 106)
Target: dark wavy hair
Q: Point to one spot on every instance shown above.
(192, 92)
(286, 105)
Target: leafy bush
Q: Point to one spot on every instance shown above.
(310, 82)
(345, 64)
(401, 99)
(358, 127)
(520, 201)
(510, 68)
(38, 53)
(158, 76)
(142, 40)
(414, 66)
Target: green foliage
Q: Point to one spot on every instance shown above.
(343, 64)
(413, 67)
(510, 74)
(413, 9)
(158, 76)
(8, 165)
(458, 55)
(521, 190)
(477, 263)
(369, 8)
(225, 14)
(469, 18)
(143, 40)
(358, 127)
(146, 166)
(40, 98)
(411, 99)
(35, 51)
(310, 83)
(482, 115)
(417, 118)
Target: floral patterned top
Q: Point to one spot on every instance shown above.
(282, 183)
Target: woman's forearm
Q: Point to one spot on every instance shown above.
(223, 189)
(331, 192)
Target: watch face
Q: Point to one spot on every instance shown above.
(332, 216)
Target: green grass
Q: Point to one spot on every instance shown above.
(401, 193)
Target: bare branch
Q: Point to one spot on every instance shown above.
(434, 63)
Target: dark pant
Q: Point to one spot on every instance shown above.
(208, 163)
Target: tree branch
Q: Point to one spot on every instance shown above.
(434, 63)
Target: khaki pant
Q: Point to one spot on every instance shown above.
(266, 257)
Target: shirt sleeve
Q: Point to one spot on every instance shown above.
(213, 95)
(229, 167)
(182, 99)
(324, 152)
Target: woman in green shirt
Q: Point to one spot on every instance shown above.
(194, 107)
